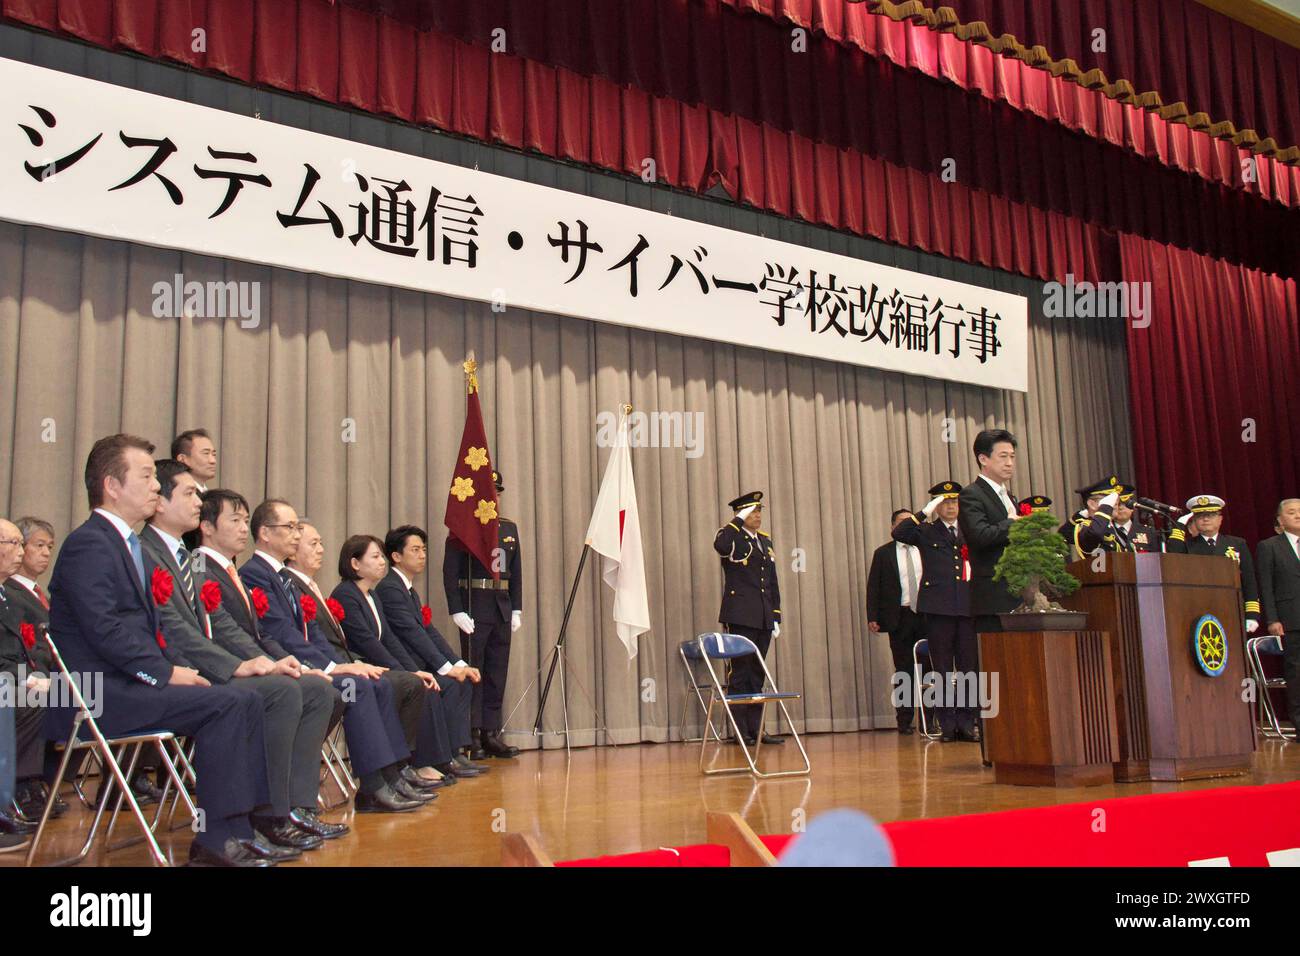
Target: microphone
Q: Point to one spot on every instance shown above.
(1150, 504)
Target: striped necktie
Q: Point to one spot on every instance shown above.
(187, 578)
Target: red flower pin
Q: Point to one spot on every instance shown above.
(308, 608)
(1026, 508)
(162, 643)
(162, 586)
(28, 634)
(426, 612)
(335, 609)
(260, 602)
(965, 553)
(210, 595)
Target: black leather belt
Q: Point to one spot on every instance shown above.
(486, 584)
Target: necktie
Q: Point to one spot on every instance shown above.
(187, 579)
(287, 583)
(40, 596)
(1006, 500)
(952, 533)
(239, 586)
(911, 578)
(137, 556)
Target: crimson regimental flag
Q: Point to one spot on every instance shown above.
(471, 517)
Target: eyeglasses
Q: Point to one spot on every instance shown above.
(11, 540)
(291, 527)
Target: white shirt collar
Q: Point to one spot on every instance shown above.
(994, 485)
(374, 610)
(405, 580)
(948, 524)
(1127, 526)
(1289, 536)
(174, 543)
(223, 562)
(124, 529)
(276, 564)
(28, 583)
(299, 575)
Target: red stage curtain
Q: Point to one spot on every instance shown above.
(1221, 351)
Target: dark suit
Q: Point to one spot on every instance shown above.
(33, 609)
(103, 621)
(370, 723)
(1279, 592)
(17, 662)
(423, 713)
(751, 604)
(404, 613)
(902, 624)
(296, 712)
(488, 648)
(985, 525)
(944, 603)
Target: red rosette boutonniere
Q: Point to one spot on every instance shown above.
(965, 553)
(162, 586)
(308, 608)
(965, 562)
(162, 641)
(28, 634)
(1025, 508)
(426, 614)
(260, 602)
(210, 595)
(335, 609)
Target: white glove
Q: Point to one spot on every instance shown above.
(1184, 519)
(516, 621)
(1111, 499)
(1252, 627)
(463, 621)
(928, 510)
(776, 628)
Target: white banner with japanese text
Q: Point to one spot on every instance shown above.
(93, 158)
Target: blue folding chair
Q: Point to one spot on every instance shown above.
(692, 661)
(1264, 709)
(719, 648)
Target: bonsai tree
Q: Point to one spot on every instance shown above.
(1033, 563)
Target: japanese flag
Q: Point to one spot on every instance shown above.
(615, 533)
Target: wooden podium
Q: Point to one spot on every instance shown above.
(1174, 721)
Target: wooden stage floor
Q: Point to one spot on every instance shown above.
(606, 800)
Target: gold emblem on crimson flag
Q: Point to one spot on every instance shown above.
(486, 511)
(462, 488)
(476, 458)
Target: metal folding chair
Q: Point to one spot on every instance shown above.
(103, 747)
(692, 661)
(921, 680)
(335, 765)
(1265, 714)
(722, 648)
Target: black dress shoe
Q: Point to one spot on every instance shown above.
(259, 847)
(417, 782)
(466, 762)
(769, 739)
(306, 818)
(10, 824)
(494, 746)
(452, 770)
(286, 833)
(905, 731)
(232, 853)
(31, 797)
(948, 736)
(405, 790)
(146, 793)
(969, 736)
(384, 800)
(476, 751)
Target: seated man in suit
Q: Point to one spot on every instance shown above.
(422, 718)
(103, 620)
(892, 586)
(298, 706)
(19, 641)
(375, 737)
(38, 551)
(944, 603)
(1279, 590)
(411, 623)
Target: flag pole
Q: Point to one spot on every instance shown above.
(558, 650)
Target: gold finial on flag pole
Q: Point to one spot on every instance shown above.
(627, 409)
(471, 379)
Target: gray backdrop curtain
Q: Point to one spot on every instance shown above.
(835, 447)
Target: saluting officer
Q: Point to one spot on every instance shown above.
(751, 602)
(487, 611)
(944, 603)
(1109, 523)
(1206, 513)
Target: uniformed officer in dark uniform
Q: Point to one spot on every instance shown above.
(1207, 513)
(1108, 525)
(751, 602)
(487, 612)
(944, 604)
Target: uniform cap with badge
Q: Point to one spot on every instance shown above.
(1205, 504)
(746, 503)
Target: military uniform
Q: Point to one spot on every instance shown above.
(944, 604)
(1224, 545)
(751, 602)
(1099, 532)
(491, 604)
